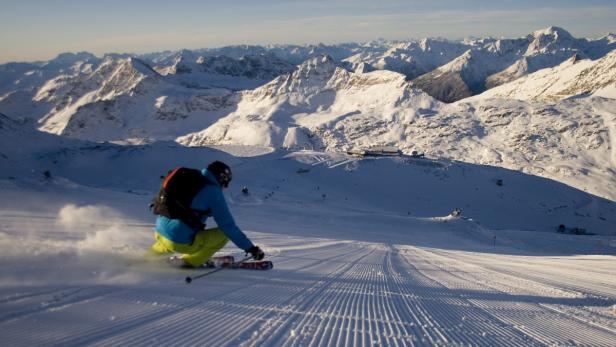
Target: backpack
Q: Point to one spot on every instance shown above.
(176, 194)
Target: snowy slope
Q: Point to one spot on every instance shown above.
(570, 141)
(28, 76)
(247, 72)
(126, 99)
(364, 254)
(488, 62)
(320, 105)
(574, 77)
(411, 58)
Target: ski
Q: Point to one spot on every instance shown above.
(221, 261)
(229, 263)
(253, 265)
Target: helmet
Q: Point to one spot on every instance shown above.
(222, 172)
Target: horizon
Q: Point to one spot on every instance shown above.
(32, 31)
(101, 55)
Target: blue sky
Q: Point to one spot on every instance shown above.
(39, 30)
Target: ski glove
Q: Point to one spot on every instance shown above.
(256, 252)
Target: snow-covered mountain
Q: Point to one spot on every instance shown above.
(573, 77)
(27, 76)
(412, 58)
(325, 107)
(494, 62)
(294, 54)
(447, 70)
(125, 99)
(570, 141)
(457, 79)
(247, 72)
(333, 105)
(320, 105)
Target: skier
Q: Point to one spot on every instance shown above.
(198, 244)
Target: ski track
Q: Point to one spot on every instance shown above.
(332, 293)
(533, 317)
(544, 272)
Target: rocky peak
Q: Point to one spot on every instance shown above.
(187, 55)
(124, 75)
(319, 66)
(507, 46)
(183, 63)
(550, 39)
(424, 44)
(140, 66)
(310, 77)
(68, 59)
(460, 63)
(363, 68)
(553, 32)
(260, 66)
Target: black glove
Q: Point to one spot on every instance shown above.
(256, 252)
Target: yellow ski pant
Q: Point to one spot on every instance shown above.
(206, 243)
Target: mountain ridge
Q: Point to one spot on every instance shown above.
(328, 104)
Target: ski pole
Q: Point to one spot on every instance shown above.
(189, 279)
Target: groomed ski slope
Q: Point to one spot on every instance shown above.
(330, 293)
(354, 270)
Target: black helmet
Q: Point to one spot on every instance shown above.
(222, 172)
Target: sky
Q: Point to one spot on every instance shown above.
(39, 30)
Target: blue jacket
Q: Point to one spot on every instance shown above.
(211, 198)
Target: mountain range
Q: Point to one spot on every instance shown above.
(547, 110)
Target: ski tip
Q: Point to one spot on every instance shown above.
(188, 279)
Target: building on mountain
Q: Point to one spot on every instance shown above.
(376, 151)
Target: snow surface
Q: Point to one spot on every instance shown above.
(572, 78)
(364, 252)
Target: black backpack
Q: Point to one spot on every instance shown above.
(176, 194)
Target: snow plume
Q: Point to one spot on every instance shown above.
(99, 229)
(83, 244)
